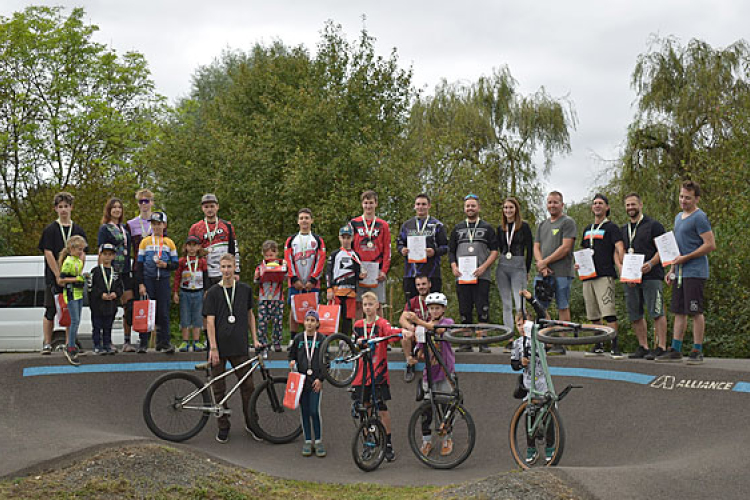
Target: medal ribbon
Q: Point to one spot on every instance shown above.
(143, 231)
(470, 233)
(62, 230)
(420, 232)
(511, 233)
(230, 303)
(111, 277)
(368, 335)
(310, 352)
(591, 232)
(210, 234)
(189, 264)
(631, 234)
(368, 231)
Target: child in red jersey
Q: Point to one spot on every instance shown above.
(189, 287)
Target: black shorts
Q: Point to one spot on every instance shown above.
(688, 298)
(382, 394)
(49, 301)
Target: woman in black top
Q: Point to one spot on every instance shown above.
(516, 245)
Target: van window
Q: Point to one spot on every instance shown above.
(18, 292)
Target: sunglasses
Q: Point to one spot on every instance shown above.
(144, 201)
(471, 197)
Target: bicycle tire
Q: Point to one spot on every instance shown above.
(162, 415)
(586, 334)
(452, 330)
(463, 435)
(334, 349)
(519, 444)
(368, 445)
(269, 418)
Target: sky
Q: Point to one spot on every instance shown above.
(584, 51)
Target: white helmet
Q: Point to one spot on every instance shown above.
(436, 298)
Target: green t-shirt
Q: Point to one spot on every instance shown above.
(73, 267)
(550, 236)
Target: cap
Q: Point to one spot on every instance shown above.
(346, 230)
(209, 198)
(107, 247)
(313, 313)
(159, 217)
(193, 239)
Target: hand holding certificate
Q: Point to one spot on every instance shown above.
(467, 266)
(417, 246)
(585, 260)
(666, 244)
(373, 270)
(632, 264)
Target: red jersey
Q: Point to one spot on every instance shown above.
(191, 275)
(381, 328)
(417, 306)
(376, 233)
(217, 238)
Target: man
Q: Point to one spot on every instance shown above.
(605, 240)
(54, 238)
(689, 272)
(372, 242)
(436, 244)
(638, 238)
(415, 309)
(474, 242)
(217, 237)
(229, 313)
(553, 252)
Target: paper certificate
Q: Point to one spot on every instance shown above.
(585, 260)
(467, 266)
(631, 268)
(417, 246)
(667, 247)
(373, 270)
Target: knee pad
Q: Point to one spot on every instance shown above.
(610, 319)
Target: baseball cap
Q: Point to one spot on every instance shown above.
(313, 313)
(346, 230)
(192, 239)
(159, 217)
(107, 247)
(209, 198)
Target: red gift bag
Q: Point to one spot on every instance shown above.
(144, 315)
(294, 385)
(63, 315)
(329, 318)
(303, 302)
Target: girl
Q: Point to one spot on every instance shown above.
(73, 281)
(270, 275)
(190, 284)
(304, 355)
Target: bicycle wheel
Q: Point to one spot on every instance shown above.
(452, 423)
(548, 441)
(586, 334)
(269, 418)
(167, 413)
(480, 333)
(368, 445)
(335, 350)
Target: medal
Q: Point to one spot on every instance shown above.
(370, 244)
(309, 352)
(631, 250)
(230, 302)
(369, 230)
(156, 258)
(470, 233)
(471, 249)
(231, 319)
(509, 239)
(309, 372)
(508, 255)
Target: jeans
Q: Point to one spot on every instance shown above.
(102, 330)
(191, 309)
(75, 307)
(309, 403)
(160, 291)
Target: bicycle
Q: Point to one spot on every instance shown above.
(178, 404)
(536, 424)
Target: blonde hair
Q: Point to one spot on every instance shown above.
(370, 295)
(144, 193)
(75, 241)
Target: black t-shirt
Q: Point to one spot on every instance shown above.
(298, 353)
(231, 338)
(605, 238)
(643, 242)
(52, 239)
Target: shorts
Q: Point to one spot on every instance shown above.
(191, 308)
(49, 302)
(382, 394)
(688, 298)
(293, 291)
(562, 291)
(378, 290)
(599, 298)
(648, 293)
(348, 306)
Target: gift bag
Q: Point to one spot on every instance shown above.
(294, 385)
(303, 302)
(144, 315)
(329, 318)
(63, 315)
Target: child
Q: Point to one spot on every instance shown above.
(369, 327)
(70, 263)
(157, 258)
(343, 274)
(106, 290)
(269, 275)
(190, 285)
(436, 303)
(519, 359)
(304, 357)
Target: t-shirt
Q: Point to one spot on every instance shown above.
(52, 240)
(550, 237)
(418, 307)
(473, 239)
(119, 236)
(605, 237)
(381, 328)
(435, 237)
(343, 272)
(231, 338)
(217, 238)
(298, 353)
(379, 235)
(688, 232)
(446, 352)
(643, 243)
(305, 256)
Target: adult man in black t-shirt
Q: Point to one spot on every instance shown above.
(54, 238)
(638, 237)
(228, 308)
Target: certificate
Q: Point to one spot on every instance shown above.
(417, 246)
(373, 270)
(585, 260)
(666, 244)
(467, 266)
(632, 264)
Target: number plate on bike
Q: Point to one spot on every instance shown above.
(419, 332)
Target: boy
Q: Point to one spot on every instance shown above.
(106, 290)
(369, 327)
(157, 258)
(372, 242)
(269, 276)
(415, 309)
(343, 274)
(305, 256)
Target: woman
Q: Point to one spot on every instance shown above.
(114, 231)
(516, 249)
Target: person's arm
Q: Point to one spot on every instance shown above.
(320, 261)
(181, 266)
(52, 263)
(441, 240)
(385, 262)
(289, 258)
(487, 263)
(401, 240)
(253, 327)
(528, 242)
(619, 256)
(561, 252)
(452, 249)
(213, 354)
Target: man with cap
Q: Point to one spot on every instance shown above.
(343, 274)
(604, 239)
(217, 237)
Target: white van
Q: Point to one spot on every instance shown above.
(22, 307)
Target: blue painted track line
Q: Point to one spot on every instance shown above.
(741, 387)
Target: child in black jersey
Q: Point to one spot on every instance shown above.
(344, 272)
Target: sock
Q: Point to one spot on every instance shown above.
(308, 441)
(698, 347)
(677, 345)
(318, 441)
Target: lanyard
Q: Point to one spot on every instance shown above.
(230, 303)
(189, 264)
(424, 226)
(161, 244)
(511, 233)
(631, 234)
(111, 277)
(368, 231)
(210, 234)
(591, 232)
(309, 352)
(352, 255)
(469, 232)
(421, 308)
(62, 230)
(304, 242)
(368, 335)
(143, 231)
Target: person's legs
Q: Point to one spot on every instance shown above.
(163, 300)
(305, 412)
(505, 287)
(96, 331)
(436, 284)
(465, 310)
(247, 387)
(517, 283)
(277, 317)
(220, 390)
(75, 307)
(264, 315)
(314, 408)
(48, 323)
(562, 296)
(107, 323)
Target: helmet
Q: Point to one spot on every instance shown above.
(436, 298)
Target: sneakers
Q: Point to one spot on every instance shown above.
(128, 347)
(530, 455)
(426, 448)
(671, 356)
(199, 346)
(390, 455)
(483, 348)
(166, 349)
(695, 358)
(639, 353)
(447, 448)
(223, 435)
(596, 350)
(616, 353)
(184, 347)
(556, 350)
(409, 373)
(47, 350)
(72, 354)
(654, 353)
(465, 348)
(307, 449)
(99, 351)
(249, 429)
(549, 453)
(142, 349)
(320, 450)
(110, 350)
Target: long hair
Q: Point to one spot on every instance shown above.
(75, 241)
(107, 216)
(517, 220)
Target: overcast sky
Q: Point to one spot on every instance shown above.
(585, 50)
